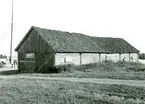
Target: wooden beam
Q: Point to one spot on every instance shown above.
(80, 58)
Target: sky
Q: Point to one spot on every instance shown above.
(101, 18)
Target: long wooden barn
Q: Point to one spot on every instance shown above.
(43, 49)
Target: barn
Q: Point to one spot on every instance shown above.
(44, 48)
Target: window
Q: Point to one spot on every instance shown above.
(29, 55)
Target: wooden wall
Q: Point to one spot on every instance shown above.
(44, 62)
(25, 64)
(34, 44)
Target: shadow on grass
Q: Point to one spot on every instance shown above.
(9, 72)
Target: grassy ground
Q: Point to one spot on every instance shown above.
(120, 70)
(91, 74)
(98, 74)
(42, 91)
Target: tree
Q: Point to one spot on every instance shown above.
(142, 56)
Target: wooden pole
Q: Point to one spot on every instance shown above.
(11, 34)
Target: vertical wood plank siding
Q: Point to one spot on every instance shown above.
(25, 64)
(34, 44)
(44, 61)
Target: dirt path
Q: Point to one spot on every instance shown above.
(85, 80)
(7, 67)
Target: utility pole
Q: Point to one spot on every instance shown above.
(11, 42)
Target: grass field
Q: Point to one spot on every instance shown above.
(120, 70)
(25, 90)
(42, 91)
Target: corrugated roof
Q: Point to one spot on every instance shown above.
(75, 42)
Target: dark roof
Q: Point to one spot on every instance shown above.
(68, 42)
(114, 45)
(62, 41)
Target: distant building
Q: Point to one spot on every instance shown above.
(43, 49)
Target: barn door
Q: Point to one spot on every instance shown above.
(44, 62)
(26, 62)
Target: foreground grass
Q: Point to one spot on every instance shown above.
(42, 91)
(120, 70)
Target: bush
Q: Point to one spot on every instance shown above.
(86, 66)
(1, 65)
(64, 68)
(100, 66)
(142, 56)
(71, 67)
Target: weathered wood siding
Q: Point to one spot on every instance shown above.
(67, 58)
(25, 64)
(34, 44)
(41, 62)
(44, 62)
(87, 58)
(31, 43)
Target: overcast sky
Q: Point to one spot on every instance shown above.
(101, 18)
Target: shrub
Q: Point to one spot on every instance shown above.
(1, 65)
(64, 68)
(71, 67)
(142, 56)
(100, 66)
(131, 66)
(86, 66)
